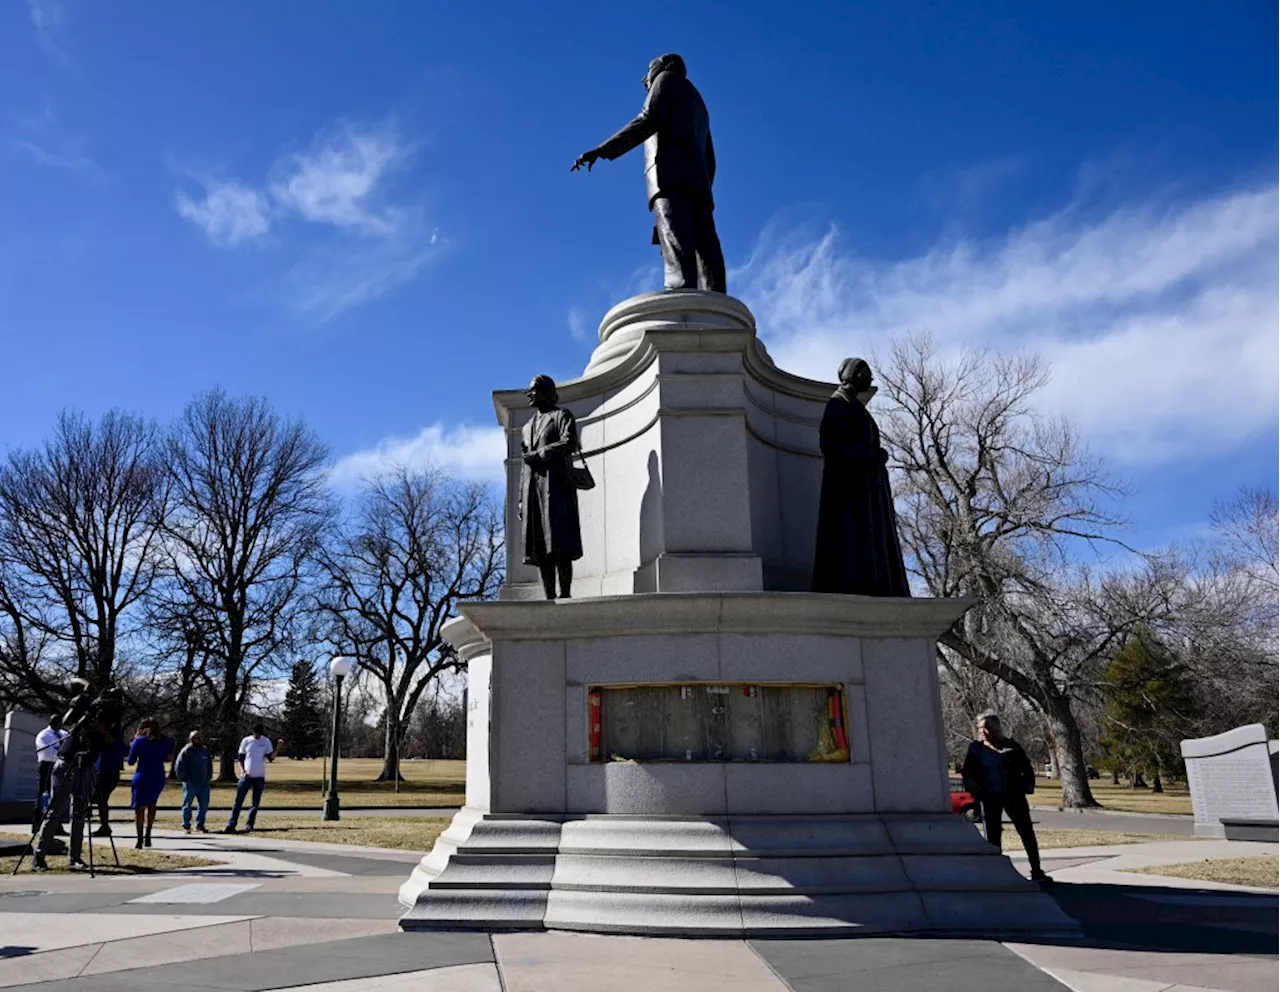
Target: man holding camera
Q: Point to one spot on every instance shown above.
(88, 722)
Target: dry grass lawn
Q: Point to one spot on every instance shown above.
(1175, 799)
(404, 833)
(1263, 871)
(300, 783)
(1049, 838)
(132, 861)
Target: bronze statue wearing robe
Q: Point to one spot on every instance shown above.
(857, 549)
(548, 499)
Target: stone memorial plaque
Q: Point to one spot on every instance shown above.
(1230, 777)
(19, 772)
(704, 722)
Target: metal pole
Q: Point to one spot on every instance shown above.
(331, 805)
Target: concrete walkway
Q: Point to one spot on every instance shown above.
(278, 914)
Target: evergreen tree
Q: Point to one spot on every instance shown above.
(1150, 709)
(304, 722)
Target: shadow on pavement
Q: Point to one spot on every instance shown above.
(1159, 918)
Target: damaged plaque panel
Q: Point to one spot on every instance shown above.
(731, 721)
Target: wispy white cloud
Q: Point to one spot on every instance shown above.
(40, 155)
(358, 247)
(331, 279)
(464, 452)
(335, 181)
(1160, 320)
(580, 328)
(229, 212)
(48, 17)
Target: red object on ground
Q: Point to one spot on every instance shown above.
(962, 801)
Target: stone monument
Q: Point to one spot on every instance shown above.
(1232, 777)
(19, 772)
(695, 743)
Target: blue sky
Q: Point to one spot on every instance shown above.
(364, 210)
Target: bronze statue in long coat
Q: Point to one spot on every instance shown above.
(679, 168)
(548, 500)
(858, 549)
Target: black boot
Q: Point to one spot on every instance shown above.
(147, 839)
(38, 862)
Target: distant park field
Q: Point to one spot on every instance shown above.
(442, 783)
(301, 783)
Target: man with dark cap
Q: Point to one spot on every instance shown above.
(679, 167)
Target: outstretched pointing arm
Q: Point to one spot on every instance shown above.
(634, 134)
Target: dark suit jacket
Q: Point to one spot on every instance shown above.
(676, 130)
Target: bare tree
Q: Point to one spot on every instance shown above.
(1248, 530)
(80, 520)
(420, 543)
(250, 505)
(993, 497)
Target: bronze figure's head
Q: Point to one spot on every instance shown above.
(542, 393)
(664, 63)
(855, 375)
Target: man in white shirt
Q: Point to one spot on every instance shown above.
(47, 743)
(252, 756)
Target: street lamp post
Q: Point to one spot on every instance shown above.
(339, 668)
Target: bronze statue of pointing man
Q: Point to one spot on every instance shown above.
(679, 167)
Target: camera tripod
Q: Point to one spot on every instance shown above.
(79, 784)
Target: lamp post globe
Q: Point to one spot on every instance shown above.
(339, 668)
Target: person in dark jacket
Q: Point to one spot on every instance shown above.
(999, 775)
(857, 550)
(194, 769)
(679, 168)
(548, 500)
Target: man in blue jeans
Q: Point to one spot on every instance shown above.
(252, 756)
(194, 769)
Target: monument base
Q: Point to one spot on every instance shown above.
(736, 876)
(712, 764)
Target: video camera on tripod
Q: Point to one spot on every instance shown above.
(88, 723)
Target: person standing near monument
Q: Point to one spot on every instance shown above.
(548, 506)
(110, 761)
(47, 743)
(999, 775)
(857, 550)
(679, 168)
(252, 756)
(194, 769)
(149, 751)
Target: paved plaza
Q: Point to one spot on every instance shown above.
(278, 914)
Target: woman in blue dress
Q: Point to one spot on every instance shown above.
(149, 751)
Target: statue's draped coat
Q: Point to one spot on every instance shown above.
(857, 550)
(549, 502)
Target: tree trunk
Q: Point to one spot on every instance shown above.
(392, 742)
(1068, 750)
(1156, 784)
(229, 730)
(1138, 781)
(1115, 776)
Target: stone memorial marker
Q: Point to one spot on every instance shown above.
(19, 776)
(1232, 778)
